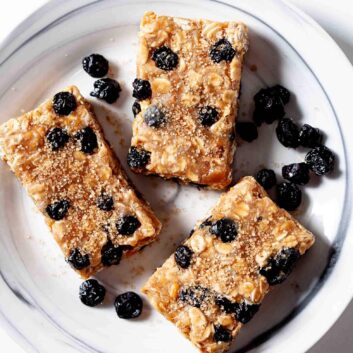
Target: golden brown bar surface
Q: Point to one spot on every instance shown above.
(216, 280)
(77, 183)
(186, 125)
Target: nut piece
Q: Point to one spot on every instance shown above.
(160, 85)
(198, 243)
(200, 330)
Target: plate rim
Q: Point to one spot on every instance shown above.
(345, 66)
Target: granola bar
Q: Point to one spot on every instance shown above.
(187, 98)
(216, 280)
(59, 154)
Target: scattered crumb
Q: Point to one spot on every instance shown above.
(253, 68)
(165, 219)
(111, 72)
(114, 123)
(126, 283)
(137, 271)
(122, 142)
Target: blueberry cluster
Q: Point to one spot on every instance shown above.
(128, 305)
(276, 270)
(280, 266)
(225, 229)
(106, 89)
(242, 311)
(64, 103)
(269, 106)
(110, 254)
(193, 296)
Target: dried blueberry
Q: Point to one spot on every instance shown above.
(127, 225)
(57, 138)
(297, 173)
(154, 116)
(281, 92)
(289, 196)
(269, 114)
(91, 292)
(77, 260)
(208, 115)
(128, 305)
(280, 266)
(247, 131)
(105, 202)
(221, 334)
(226, 229)
(244, 312)
(165, 58)
(225, 304)
(138, 158)
(106, 89)
(222, 50)
(58, 209)
(136, 108)
(110, 254)
(320, 160)
(266, 178)
(95, 65)
(268, 106)
(193, 296)
(88, 140)
(141, 89)
(288, 133)
(183, 256)
(310, 136)
(258, 116)
(64, 103)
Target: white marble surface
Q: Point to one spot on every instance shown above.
(336, 17)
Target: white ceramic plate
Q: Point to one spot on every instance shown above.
(39, 292)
